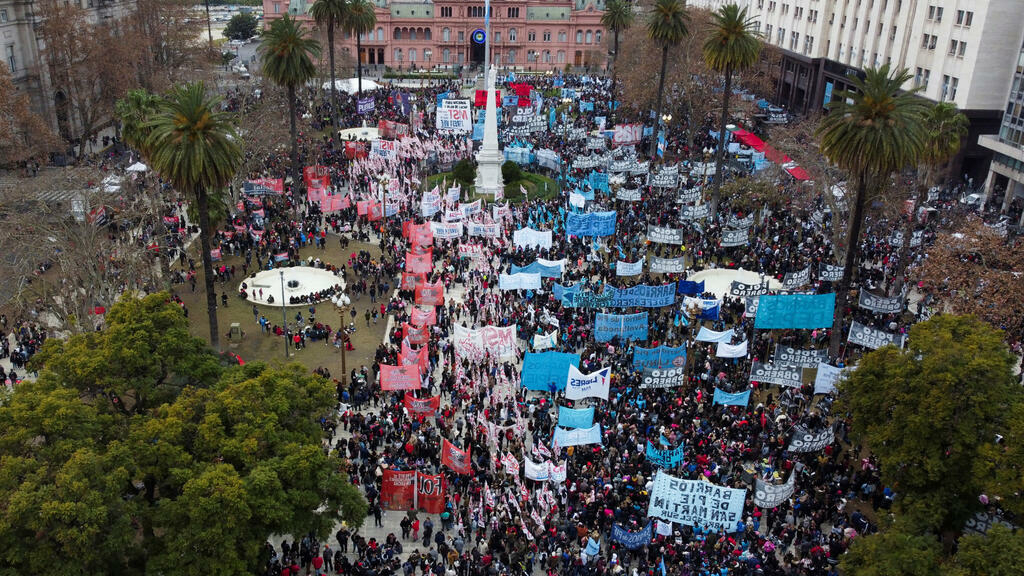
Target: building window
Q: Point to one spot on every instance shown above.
(446, 12)
(964, 18)
(547, 56)
(547, 35)
(963, 49)
(768, 32)
(397, 35)
(563, 37)
(398, 54)
(935, 13)
(949, 86)
(531, 36)
(497, 37)
(510, 56)
(780, 36)
(794, 40)
(412, 34)
(380, 34)
(11, 63)
(513, 12)
(511, 34)
(427, 54)
(812, 15)
(446, 34)
(597, 36)
(461, 58)
(808, 44)
(462, 36)
(579, 37)
(561, 56)
(277, 8)
(590, 37)
(412, 55)
(954, 82)
(952, 48)
(798, 13)
(446, 55)
(426, 34)
(3, 15)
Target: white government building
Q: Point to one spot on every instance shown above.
(961, 51)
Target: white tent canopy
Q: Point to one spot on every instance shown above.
(351, 85)
(137, 167)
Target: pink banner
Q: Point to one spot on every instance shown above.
(399, 377)
(430, 294)
(421, 317)
(420, 263)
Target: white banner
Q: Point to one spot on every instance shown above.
(805, 441)
(454, 115)
(558, 473)
(498, 342)
(384, 148)
(696, 503)
(545, 341)
(530, 238)
(577, 200)
(872, 338)
(445, 231)
(629, 194)
(565, 437)
(726, 350)
(594, 385)
(771, 495)
(880, 304)
(485, 230)
(825, 381)
(708, 335)
(790, 376)
(471, 208)
(537, 472)
(668, 265)
(793, 280)
(629, 268)
(521, 281)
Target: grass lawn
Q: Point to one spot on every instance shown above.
(537, 186)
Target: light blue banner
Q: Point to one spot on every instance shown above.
(664, 458)
(626, 326)
(577, 436)
(442, 97)
(538, 268)
(593, 547)
(599, 181)
(795, 311)
(575, 417)
(642, 296)
(658, 358)
(512, 100)
(591, 224)
(541, 370)
(731, 398)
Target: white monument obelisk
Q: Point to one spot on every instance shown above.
(489, 158)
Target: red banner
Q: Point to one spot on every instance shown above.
(405, 228)
(410, 281)
(431, 493)
(275, 184)
(421, 317)
(454, 458)
(312, 174)
(481, 98)
(398, 490)
(421, 234)
(363, 207)
(418, 335)
(422, 405)
(521, 90)
(420, 263)
(430, 294)
(355, 150)
(376, 212)
(399, 377)
(390, 130)
(408, 356)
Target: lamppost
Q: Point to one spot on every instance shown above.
(665, 119)
(342, 304)
(284, 316)
(566, 102)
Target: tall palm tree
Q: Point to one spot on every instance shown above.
(360, 20)
(666, 25)
(733, 45)
(287, 55)
(192, 144)
(945, 128)
(617, 17)
(872, 130)
(330, 13)
(133, 111)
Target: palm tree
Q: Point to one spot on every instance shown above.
(945, 127)
(870, 131)
(194, 145)
(617, 17)
(360, 20)
(287, 56)
(733, 45)
(330, 13)
(666, 25)
(133, 111)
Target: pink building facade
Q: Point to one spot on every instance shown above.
(438, 35)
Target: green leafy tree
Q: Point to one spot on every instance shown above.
(666, 25)
(464, 172)
(242, 26)
(929, 411)
(617, 17)
(996, 553)
(1004, 462)
(732, 46)
(330, 14)
(945, 127)
(511, 172)
(287, 57)
(896, 551)
(143, 358)
(134, 111)
(360, 19)
(194, 145)
(194, 484)
(871, 131)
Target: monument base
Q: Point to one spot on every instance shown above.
(488, 172)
